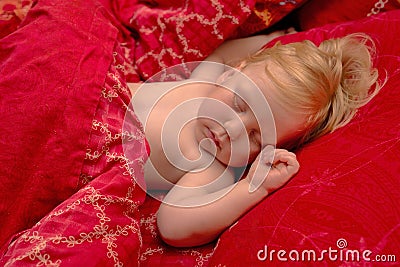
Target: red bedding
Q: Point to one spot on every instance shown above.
(71, 196)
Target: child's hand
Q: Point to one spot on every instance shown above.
(272, 169)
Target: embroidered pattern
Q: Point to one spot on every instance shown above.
(377, 7)
(92, 201)
(102, 218)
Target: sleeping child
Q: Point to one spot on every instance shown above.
(244, 107)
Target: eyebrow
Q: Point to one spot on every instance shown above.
(244, 81)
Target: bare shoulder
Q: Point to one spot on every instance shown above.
(133, 87)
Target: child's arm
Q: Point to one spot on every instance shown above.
(232, 52)
(196, 225)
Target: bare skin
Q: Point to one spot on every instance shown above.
(204, 199)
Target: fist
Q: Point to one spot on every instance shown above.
(272, 169)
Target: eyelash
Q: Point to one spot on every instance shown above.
(239, 109)
(254, 138)
(236, 104)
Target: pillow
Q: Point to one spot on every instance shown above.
(345, 198)
(317, 12)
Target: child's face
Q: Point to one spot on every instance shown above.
(242, 116)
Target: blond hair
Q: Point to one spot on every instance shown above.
(328, 82)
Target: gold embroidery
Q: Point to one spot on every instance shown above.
(100, 231)
(200, 258)
(150, 224)
(161, 28)
(151, 252)
(265, 15)
(377, 7)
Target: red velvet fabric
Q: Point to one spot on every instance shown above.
(267, 13)
(12, 12)
(316, 13)
(48, 85)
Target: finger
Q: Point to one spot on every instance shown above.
(262, 167)
(285, 156)
(290, 30)
(267, 154)
(283, 153)
(288, 159)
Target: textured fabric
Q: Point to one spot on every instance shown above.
(48, 86)
(171, 32)
(12, 12)
(316, 13)
(101, 219)
(267, 13)
(155, 253)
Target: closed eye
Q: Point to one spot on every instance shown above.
(255, 138)
(238, 103)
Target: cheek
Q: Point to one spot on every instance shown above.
(253, 155)
(242, 152)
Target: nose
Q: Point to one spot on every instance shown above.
(235, 128)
